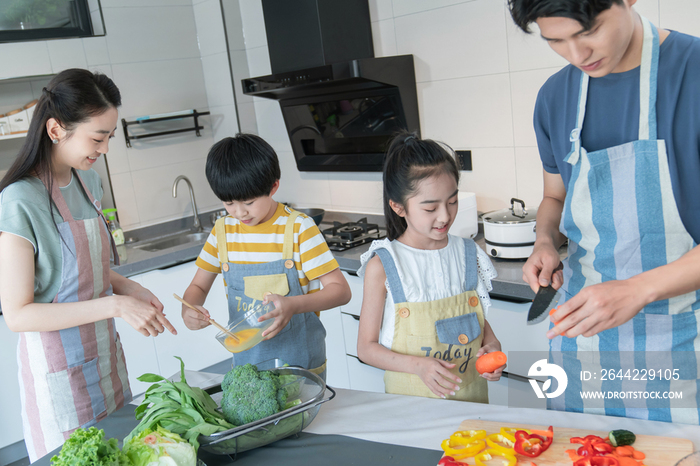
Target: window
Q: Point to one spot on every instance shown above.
(27, 20)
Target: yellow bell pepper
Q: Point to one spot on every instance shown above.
(463, 437)
(509, 432)
(500, 442)
(488, 455)
(462, 450)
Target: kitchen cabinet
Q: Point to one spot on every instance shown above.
(198, 349)
(336, 359)
(11, 425)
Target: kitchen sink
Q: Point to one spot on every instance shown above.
(171, 241)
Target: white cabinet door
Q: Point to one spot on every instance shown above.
(337, 365)
(509, 323)
(11, 425)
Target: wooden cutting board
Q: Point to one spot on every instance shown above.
(659, 451)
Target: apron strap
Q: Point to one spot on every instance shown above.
(288, 248)
(98, 207)
(648, 78)
(220, 227)
(471, 276)
(575, 136)
(392, 276)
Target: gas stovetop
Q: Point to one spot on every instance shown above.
(342, 236)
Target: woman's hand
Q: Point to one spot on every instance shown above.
(596, 308)
(436, 375)
(142, 315)
(282, 313)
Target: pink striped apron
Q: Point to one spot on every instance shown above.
(73, 377)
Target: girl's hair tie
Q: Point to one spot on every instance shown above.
(409, 137)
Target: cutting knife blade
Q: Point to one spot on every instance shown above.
(545, 300)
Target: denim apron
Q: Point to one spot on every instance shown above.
(73, 377)
(449, 329)
(621, 219)
(302, 342)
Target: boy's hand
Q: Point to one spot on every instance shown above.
(436, 375)
(282, 313)
(490, 348)
(195, 320)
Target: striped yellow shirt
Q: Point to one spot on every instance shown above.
(264, 242)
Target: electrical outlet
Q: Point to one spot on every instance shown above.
(464, 159)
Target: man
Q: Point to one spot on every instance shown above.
(618, 132)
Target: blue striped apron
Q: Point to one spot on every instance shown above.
(621, 219)
(73, 377)
(302, 342)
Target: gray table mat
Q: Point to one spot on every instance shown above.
(301, 449)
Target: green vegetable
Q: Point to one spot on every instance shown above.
(152, 445)
(251, 395)
(89, 447)
(179, 408)
(621, 437)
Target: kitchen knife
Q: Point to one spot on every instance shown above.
(545, 300)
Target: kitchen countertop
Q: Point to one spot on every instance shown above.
(396, 422)
(508, 285)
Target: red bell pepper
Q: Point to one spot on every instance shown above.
(592, 445)
(532, 445)
(597, 461)
(449, 461)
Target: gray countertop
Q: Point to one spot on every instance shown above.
(508, 285)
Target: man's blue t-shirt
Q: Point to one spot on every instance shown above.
(612, 118)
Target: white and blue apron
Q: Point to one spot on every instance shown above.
(302, 342)
(621, 219)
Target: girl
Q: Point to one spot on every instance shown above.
(55, 282)
(422, 318)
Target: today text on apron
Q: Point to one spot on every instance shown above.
(302, 341)
(621, 219)
(73, 377)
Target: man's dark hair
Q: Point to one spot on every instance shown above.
(242, 168)
(525, 12)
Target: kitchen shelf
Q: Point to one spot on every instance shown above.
(156, 118)
(13, 136)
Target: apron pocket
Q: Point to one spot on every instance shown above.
(83, 382)
(452, 331)
(257, 285)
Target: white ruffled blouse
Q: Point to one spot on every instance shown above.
(429, 275)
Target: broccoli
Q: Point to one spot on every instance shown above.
(250, 395)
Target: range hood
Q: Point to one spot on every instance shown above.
(342, 108)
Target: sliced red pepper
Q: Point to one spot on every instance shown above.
(597, 461)
(449, 461)
(592, 445)
(532, 445)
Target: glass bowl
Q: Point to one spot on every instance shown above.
(247, 329)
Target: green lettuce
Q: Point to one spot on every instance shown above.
(160, 447)
(89, 447)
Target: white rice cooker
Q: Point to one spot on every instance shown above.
(510, 233)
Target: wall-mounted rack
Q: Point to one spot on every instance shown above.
(155, 118)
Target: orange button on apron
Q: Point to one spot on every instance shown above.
(473, 301)
(289, 263)
(463, 339)
(224, 267)
(404, 312)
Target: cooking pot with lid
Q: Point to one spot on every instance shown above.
(510, 233)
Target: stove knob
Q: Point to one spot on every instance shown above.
(494, 253)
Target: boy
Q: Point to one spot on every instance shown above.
(618, 132)
(244, 173)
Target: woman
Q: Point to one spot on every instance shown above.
(56, 285)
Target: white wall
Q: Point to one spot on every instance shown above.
(477, 78)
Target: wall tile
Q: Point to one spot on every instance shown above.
(468, 39)
(210, 28)
(96, 52)
(125, 200)
(303, 189)
(24, 59)
(68, 53)
(470, 112)
(528, 172)
(253, 23)
(224, 123)
(161, 86)
(139, 34)
(117, 157)
(529, 51)
(407, 7)
(524, 87)
(217, 79)
(492, 177)
(380, 10)
(247, 118)
(650, 9)
(238, 60)
(271, 125)
(384, 38)
(233, 24)
(359, 192)
(680, 15)
(168, 150)
(259, 61)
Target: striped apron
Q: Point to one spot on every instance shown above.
(450, 329)
(302, 342)
(621, 219)
(73, 377)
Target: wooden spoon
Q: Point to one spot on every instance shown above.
(211, 321)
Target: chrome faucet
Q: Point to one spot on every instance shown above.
(196, 226)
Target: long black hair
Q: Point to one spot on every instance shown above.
(584, 12)
(72, 97)
(408, 161)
